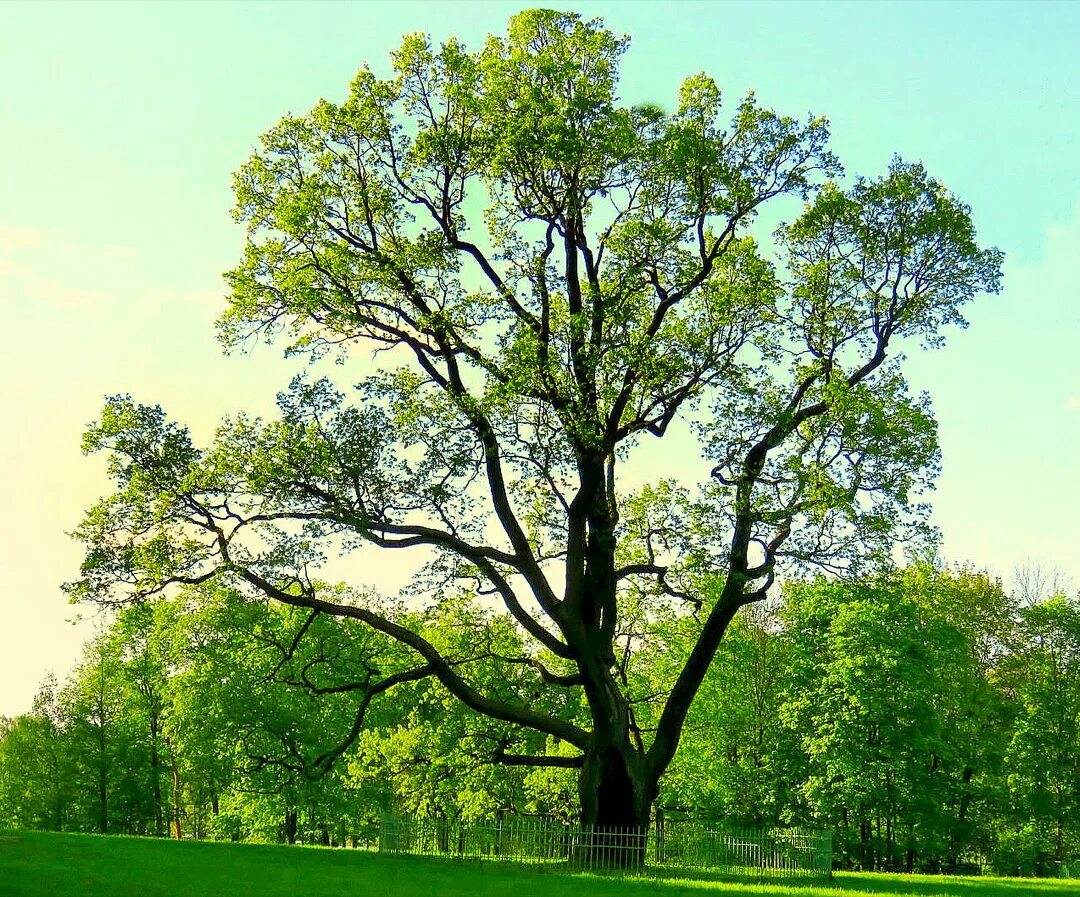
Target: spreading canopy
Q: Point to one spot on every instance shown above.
(550, 281)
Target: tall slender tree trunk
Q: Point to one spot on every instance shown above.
(101, 713)
(103, 801)
(889, 842)
(953, 856)
(845, 839)
(176, 801)
(103, 782)
(155, 774)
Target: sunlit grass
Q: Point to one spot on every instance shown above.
(34, 864)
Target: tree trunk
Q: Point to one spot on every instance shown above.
(176, 798)
(102, 773)
(617, 794)
(103, 797)
(615, 789)
(953, 855)
(889, 842)
(616, 786)
(155, 774)
(290, 826)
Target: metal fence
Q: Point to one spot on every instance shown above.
(758, 852)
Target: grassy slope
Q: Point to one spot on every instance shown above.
(46, 865)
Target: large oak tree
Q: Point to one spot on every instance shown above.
(553, 280)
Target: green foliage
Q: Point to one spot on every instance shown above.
(730, 761)
(552, 277)
(923, 715)
(1043, 756)
(890, 696)
(36, 768)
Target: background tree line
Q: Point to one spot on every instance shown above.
(926, 717)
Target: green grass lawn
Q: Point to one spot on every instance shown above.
(34, 864)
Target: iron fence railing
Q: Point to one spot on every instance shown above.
(674, 845)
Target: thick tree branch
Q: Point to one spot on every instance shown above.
(441, 668)
(536, 760)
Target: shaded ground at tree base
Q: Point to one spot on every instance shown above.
(35, 864)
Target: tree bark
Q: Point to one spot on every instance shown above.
(615, 789)
(617, 794)
(176, 799)
(953, 855)
(103, 790)
(616, 785)
(155, 774)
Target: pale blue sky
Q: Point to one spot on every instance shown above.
(120, 125)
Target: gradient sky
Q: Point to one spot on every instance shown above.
(120, 125)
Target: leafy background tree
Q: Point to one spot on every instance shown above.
(37, 788)
(923, 715)
(1043, 754)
